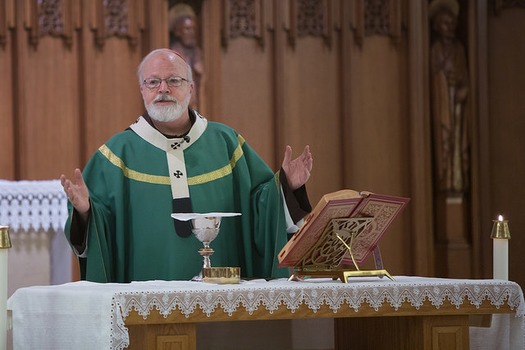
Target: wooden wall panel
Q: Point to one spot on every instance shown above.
(506, 54)
(47, 114)
(211, 24)
(358, 140)
(7, 132)
(247, 103)
(71, 69)
(312, 111)
(278, 91)
(421, 240)
(378, 127)
(377, 146)
(112, 99)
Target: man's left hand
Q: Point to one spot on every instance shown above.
(297, 170)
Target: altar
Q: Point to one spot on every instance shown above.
(409, 312)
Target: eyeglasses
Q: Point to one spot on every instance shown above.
(154, 83)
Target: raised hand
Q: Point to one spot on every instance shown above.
(77, 192)
(297, 170)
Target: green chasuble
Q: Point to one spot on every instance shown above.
(131, 235)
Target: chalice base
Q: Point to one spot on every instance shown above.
(205, 252)
(221, 275)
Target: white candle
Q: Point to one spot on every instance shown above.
(3, 297)
(5, 244)
(500, 262)
(501, 259)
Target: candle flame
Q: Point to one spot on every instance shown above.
(500, 218)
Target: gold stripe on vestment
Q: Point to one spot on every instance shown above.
(222, 172)
(165, 180)
(132, 174)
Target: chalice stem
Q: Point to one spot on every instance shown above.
(207, 262)
(206, 252)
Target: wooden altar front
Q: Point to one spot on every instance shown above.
(445, 328)
(408, 313)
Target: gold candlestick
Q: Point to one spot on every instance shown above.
(5, 241)
(500, 238)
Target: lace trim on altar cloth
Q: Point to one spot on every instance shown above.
(36, 205)
(274, 295)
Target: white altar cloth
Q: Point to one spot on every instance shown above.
(86, 315)
(36, 213)
(36, 205)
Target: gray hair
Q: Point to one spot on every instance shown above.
(172, 55)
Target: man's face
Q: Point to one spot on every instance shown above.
(166, 103)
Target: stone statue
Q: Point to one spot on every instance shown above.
(183, 26)
(449, 88)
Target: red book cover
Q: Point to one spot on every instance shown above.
(312, 240)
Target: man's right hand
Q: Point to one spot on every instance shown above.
(77, 192)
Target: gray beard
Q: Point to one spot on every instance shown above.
(168, 113)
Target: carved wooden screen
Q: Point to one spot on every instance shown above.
(69, 78)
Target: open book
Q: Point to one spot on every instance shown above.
(327, 234)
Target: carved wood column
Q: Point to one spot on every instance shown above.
(422, 237)
(7, 85)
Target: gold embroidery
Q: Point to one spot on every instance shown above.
(165, 180)
(132, 174)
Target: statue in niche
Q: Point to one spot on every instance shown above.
(449, 79)
(183, 27)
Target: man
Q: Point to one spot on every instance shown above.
(173, 160)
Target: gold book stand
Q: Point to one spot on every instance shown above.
(341, 238)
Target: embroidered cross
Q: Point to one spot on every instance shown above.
(177, 144)
(178, 174)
